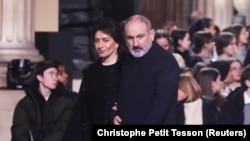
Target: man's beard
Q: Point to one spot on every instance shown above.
(138, 51)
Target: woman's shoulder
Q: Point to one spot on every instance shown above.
(91, 67)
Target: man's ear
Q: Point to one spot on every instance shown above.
(179, 42)
(152, 34)
(39, 78)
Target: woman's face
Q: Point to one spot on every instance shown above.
(181, 95)
(211, 28)
(231, 49)
(105, 45)
(163, 42)
(62, 75)
(243, 37)
(217, 85)
(185, 42)
(236, 70)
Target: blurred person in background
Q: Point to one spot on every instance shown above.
(195, 109)
(163, 39)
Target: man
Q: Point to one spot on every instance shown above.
(43, 114)
(149, 78)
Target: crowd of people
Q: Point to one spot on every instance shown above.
(171, 76)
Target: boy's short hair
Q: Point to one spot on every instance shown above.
(44, 65)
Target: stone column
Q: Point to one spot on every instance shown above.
(16, 34)
(221, 11)
(243, 8)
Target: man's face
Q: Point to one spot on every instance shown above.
(49, 79)
(138, 38)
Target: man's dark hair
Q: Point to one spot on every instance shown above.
(44, 65)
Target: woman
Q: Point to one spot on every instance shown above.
(63, 80)
(181, 43)
(211, 85)
(162, 38)
(230, 70)
(99, 83)
(242, 35)
(236, 108)
(194, 109)
(203, 48)
(226, 45)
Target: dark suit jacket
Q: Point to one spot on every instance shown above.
(233, 108)
(148, 91)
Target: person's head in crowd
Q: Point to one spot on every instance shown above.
(210, 81)
(62, 73)
(217, 29)
(202, 40)
(248, 29)
(169, 26)
(205, 24)
(245, 78)
(162, 38)
(138, 34)
(181, 40)
(223, 65)
(46, 75)
(186, 70)
(230, 70)
(236, 68)
(241, 33)
(225, 44)
(188, 89)
(196, 68)
(195, 15)
(108, 40)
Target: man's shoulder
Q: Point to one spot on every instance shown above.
(237, 93)
(165, 57)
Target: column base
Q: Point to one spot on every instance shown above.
(6, 55)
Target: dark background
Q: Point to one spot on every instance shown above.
(72, 44)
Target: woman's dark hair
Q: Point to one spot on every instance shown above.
(204, 77)
(245, 76)
(199, 39)
(200, 25)
(177, 35)
(222, 41)
(223, 66)
(235, 29)
(197, 67)
(203, 23)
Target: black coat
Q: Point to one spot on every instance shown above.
(97, 93)
(233, 108)
(50, 125)
(148, 91)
